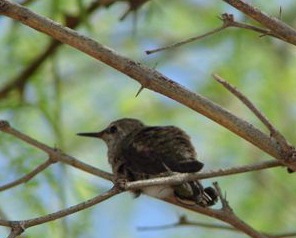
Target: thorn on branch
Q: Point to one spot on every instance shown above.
(140, 90)
(225, 204)
(280, 13)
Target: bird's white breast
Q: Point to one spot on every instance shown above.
(159, 191)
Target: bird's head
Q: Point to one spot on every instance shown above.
(116, 131)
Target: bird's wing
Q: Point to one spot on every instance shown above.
(155, 150)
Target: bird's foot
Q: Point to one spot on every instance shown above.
(120, 183)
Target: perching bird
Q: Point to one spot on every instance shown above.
(137, 152)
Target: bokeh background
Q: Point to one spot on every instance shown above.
(72, 92)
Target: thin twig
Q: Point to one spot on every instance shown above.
(28, 176)
(275, 26)
(228, 21)
(183, 221)
(181, 178)
(284, 235)
(53, 152)
(225, 205)
(73, 209)
(178, 44)
(62, 213)
(227, 216)
(264, 32)
(273, 131)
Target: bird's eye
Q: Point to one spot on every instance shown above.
(113, 129)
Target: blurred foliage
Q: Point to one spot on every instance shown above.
(72, 92)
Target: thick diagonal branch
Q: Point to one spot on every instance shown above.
(147, 77)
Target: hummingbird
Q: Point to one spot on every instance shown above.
(138, 152)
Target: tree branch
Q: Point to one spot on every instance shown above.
(183, 221)
(53, 153)
(147, 77)
(273, 131)
(28, 176)
(277, 27)
(24, 224)
(183, 177)
(57, 155)
(225, 215)
(228, 21)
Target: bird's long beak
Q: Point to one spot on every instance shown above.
(92, 134)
